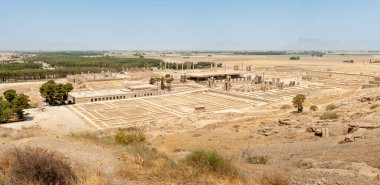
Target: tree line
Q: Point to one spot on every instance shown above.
(68, 64)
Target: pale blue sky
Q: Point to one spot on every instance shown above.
(189, 25)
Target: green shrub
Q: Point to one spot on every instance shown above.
(130, 135)
(294, 58)
(210, 161)
(260, 159)
(250, 157)
(329, 115)
(313, 108)
(331, 107)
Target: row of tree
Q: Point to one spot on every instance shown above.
(18, 66)
(68, 64)
(55, 93)
(35, 74)
(168, 79)
(12, 105)
(103, 61)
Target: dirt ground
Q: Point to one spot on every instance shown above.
(257, 123)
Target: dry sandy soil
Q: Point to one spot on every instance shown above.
(333, 62)
(294, 148)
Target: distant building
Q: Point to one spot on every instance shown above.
(133, 91)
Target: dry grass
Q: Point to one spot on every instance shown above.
(329, 116)
(250, 157)
(210, 161)
(275, 177)
(146, 165)
(88, 176)
(38, 166)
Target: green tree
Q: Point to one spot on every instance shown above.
(169, 82)
(19, 103)
(55, 93)
(298, 101)
(313, 108)
(68, 87)
(5, 111)
(10, 94)
(47, 90)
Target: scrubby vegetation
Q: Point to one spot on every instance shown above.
(210, 161)
(200, 166)
(12, 106)
(130, 135)
(153, 80)
(331, 107)
(37, 166)
(257, 159)
(329, 116)
(294, 58)
(55, 93)
(348, 61)
(313, 108)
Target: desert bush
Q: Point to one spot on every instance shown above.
(250, 157)
(146, 156)
(374, 106)
(105, 140)
(285, 106)
(276, 177)
(313, 108)
(130, 135)
(38, 166)
(331, 107)
(259, 159)
(210, 161)
(329, 115)
(294, 58)
(348, 61)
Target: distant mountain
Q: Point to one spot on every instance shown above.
(316, 44)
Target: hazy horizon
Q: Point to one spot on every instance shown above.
(195, 25)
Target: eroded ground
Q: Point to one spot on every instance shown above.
(243, 121)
